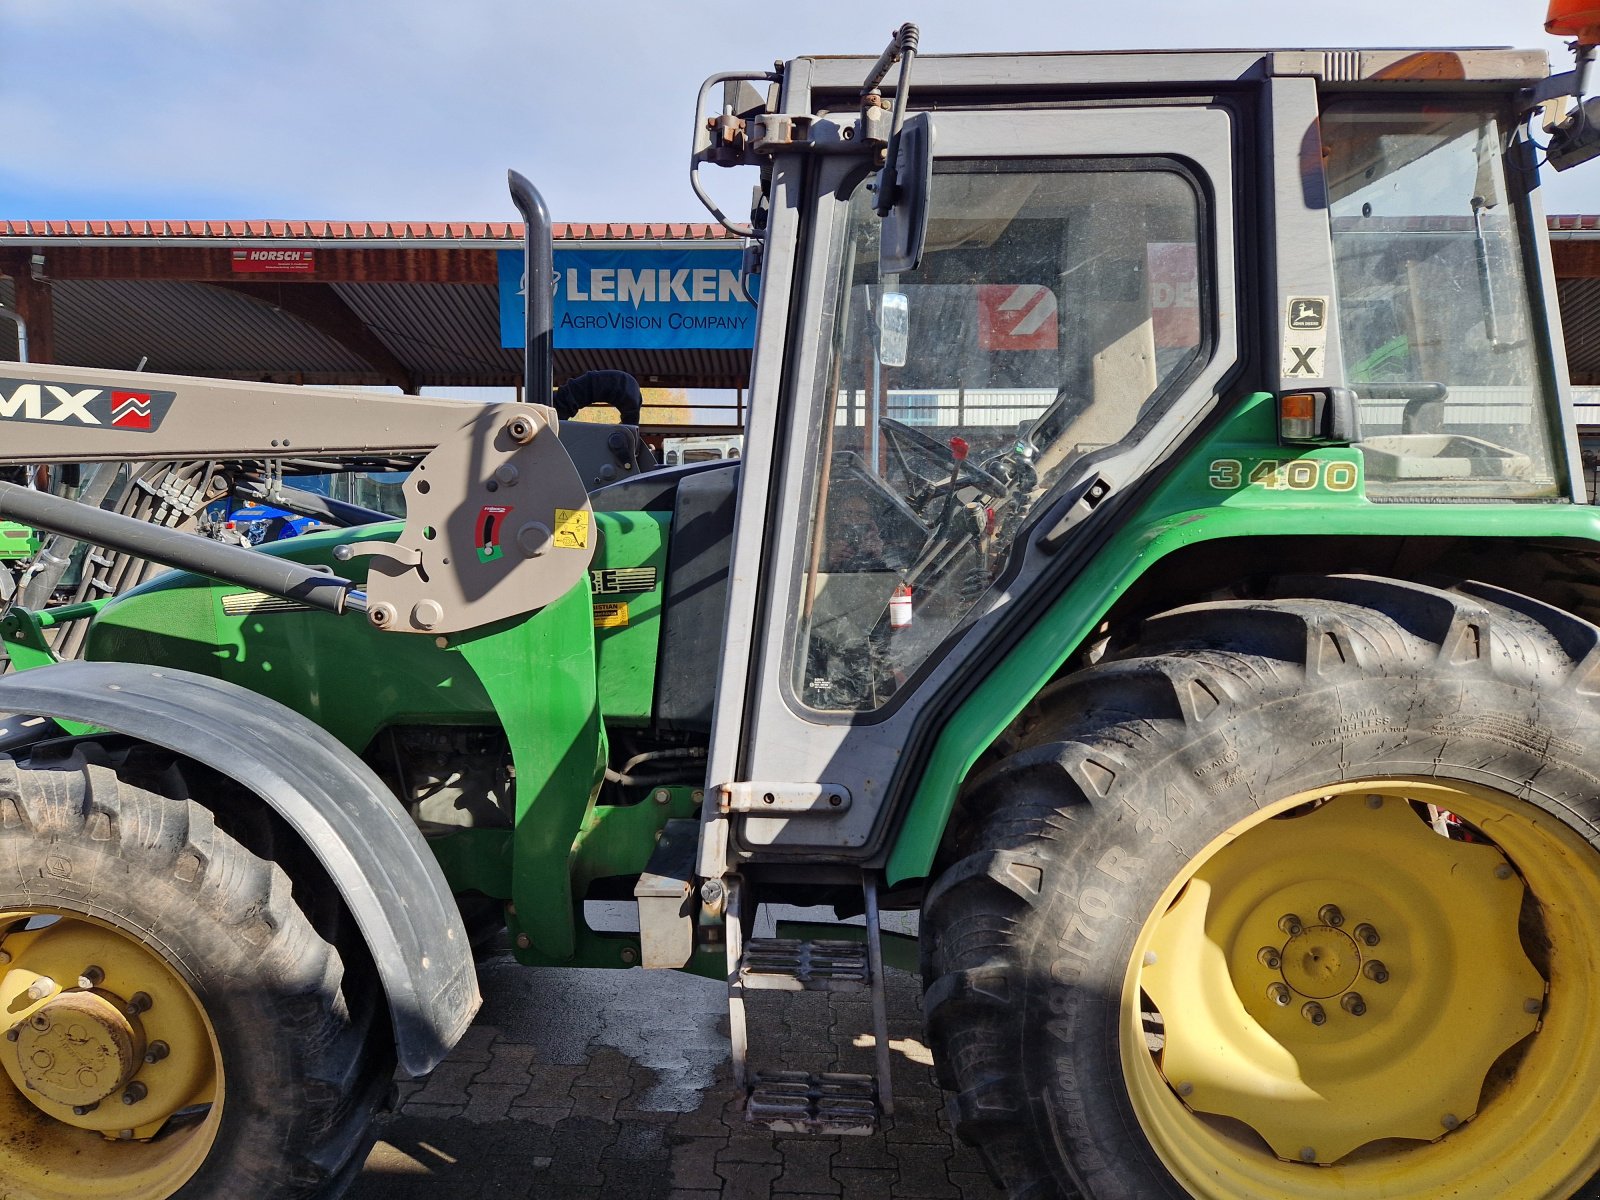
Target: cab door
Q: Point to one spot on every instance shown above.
(940, 431)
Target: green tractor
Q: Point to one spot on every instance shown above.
(1158, 558)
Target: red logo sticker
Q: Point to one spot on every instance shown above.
(257, 261)
(1016, 316)
(130, 410)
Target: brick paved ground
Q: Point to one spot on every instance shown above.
(616, 1084)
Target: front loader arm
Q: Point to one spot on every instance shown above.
(54, 414)
(497, 519)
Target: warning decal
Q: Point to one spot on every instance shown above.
(614, 580)
(572, 529)
(610, 615)
(490, 524)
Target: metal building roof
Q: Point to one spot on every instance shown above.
(408, 303)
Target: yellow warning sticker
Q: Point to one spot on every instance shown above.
(572, 529)
(610, 616)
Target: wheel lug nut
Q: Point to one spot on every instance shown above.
(1312, 1011)
(1270, 958)
(41, 988)
(1329, 914)
(82, 1110)
(12, 1035)
(1279, 994)
(134, 1092)
(1353, 1004)
(1450, 1121)
(156, 1052)
(1503, 871)
(138, 1003)
(1376, 971)
(1366, 934)
(92, 977)
(1291, 924)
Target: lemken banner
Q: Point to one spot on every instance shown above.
(637, 299)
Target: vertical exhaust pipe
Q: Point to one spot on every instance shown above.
(539, 273)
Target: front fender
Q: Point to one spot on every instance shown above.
(365, 841)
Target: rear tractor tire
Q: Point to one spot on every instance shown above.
(1297, 897)
(173, 1024)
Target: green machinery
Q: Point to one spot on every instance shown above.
(1158, 557)
(18, 544)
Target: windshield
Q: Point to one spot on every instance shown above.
(1434, 310)
(1055, 304)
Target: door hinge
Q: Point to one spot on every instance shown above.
(785, 799)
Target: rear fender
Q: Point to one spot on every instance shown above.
(365, 841)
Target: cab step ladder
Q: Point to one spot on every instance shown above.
(819, 1102)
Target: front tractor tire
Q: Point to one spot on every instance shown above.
(173, 1023)
(1297, 897)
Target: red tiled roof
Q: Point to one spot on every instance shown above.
(592, 231)
(395, 230)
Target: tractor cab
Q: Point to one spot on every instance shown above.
(995, 333)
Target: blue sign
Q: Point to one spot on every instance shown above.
(637, 299)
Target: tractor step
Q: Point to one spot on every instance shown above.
(792, 965)
(828, 1103)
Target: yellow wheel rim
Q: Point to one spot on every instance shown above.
(1337, 1000)
(110, 1072)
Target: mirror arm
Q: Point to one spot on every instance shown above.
(904, 47)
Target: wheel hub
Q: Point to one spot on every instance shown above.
(97, 1035)
(78, 1048)
(1323, 1037)
(1321, 962)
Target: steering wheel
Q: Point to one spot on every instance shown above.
(902, 438)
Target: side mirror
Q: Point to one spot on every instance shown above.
(904, 187)
(894, 329)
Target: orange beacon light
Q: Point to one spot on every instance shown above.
(1578, 19)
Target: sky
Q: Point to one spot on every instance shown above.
(400, 109)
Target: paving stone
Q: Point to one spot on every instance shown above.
(491, 1101)
(806, 1165)
(866, 1153)
(860, 1183)
(587, 1084)
(474, 1044)
(593, 1104)
(510, 1062)
(750, 1148)
(448, 1084)
(923, 1177)
(747, 1180)
(539, 1116)
(548, 1083)
(693, 1162)
(974, 1185)
(435, 1112)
